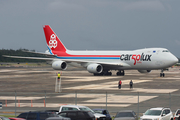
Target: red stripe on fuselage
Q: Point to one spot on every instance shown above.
(64, 54)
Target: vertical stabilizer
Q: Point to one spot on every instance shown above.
(53, 42)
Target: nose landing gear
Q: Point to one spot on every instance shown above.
(162, 74)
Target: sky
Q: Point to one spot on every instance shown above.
(91, 24)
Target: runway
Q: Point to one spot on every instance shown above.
(35, 89)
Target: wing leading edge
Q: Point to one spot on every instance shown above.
(119, 64)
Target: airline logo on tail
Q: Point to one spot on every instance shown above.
(53, 41)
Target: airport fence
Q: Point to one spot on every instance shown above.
(16, 102)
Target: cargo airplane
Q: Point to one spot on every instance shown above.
(102, 62)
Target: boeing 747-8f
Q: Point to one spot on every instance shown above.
(102, 62)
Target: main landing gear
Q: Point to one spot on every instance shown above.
(120, 73)
(162, 74)
(107, 73)
(103, 73)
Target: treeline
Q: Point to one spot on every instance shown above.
(19, 52)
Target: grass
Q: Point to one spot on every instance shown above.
(8, 116)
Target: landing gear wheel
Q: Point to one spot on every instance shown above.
(109, 73)
(96, 74)
(104, 73)
(120, 73)
(162, 75)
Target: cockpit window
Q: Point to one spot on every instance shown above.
(165, 51)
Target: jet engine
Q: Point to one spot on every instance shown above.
(59, 65)
(144, 71)
(95, 68)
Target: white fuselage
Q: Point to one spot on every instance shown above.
(141, 59)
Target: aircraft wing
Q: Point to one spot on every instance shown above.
(120, 64)
(35, 58)
(49, 55)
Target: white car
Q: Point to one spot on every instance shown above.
(98, 116)
(177, 114)
(157, 114)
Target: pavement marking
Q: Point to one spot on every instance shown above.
(106, 86)
(58, 105)
(81, 95)
(16, 76)
(7, 70)
(109, 105)
(20, 98)
(112, 98)
(122, 99)
(31, 72)
(154, 90)
(169, 78)
(89, 78)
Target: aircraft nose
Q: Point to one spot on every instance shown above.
(174, 60)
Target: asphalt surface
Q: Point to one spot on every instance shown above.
(33, 88)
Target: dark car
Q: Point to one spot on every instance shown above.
(36, 115)
(103, 111)
(126, 115)
(78, 115)
(55, 111)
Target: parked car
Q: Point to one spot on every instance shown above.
(37, 115)
(98, 116)
(78, 115)
(159, 113)
(17, 119)
(126, 115)
(58, 118)
(177, 114)
(4, 118)
(104, 112)
(55, 111)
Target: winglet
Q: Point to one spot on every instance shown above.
(53, 42)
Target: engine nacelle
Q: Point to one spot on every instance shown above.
(144, 71)
(95, 68)
(59, 65)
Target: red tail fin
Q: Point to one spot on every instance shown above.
(52, 40)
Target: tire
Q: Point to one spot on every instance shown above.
(163, 74)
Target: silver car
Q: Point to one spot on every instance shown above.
(159, 113)
(58, 118)
(4, 118)
(126, 115)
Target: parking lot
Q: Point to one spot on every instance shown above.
(33, 88)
